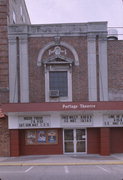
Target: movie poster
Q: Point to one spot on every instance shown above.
(52, 136)
(41, 136)
(30, 137)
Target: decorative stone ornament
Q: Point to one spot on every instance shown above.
(57, 51)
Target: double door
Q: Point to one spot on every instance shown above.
(74, 140)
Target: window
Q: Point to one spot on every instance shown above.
(43, 136)
(58, 75)
(58, 81)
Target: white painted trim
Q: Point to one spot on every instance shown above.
(103, 70)
(63, 141)
(24, 70)
(92, 71)
(86, 140)
(13, 77)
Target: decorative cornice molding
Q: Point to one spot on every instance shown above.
(57, 59)
(68, 29)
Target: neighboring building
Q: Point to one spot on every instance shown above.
(18, 13)
(11, 12)
(65, 91)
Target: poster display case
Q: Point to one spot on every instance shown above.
(45, 136)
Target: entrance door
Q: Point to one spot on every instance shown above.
(74, 140)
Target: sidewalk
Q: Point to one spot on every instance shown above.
(59, 160)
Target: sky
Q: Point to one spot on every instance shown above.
(76, 11)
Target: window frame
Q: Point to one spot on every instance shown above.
(66, 68)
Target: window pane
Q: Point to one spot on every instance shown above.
(58, 81)
(68, 134)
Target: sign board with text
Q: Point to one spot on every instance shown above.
(34, 122)
(76, 120)
(113, 120)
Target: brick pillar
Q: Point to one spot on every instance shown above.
(105, 141)
(14, 142)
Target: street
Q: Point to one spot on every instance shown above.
(83, 172)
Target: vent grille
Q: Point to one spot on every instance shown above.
(54, 93)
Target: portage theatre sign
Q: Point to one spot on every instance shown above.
(78, 106)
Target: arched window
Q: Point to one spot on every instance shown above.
(58, 60)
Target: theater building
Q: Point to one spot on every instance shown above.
(65, 90)
(61, 89)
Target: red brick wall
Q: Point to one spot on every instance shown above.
(4, 138)
(98, 141)
(3, 52)
(117, 140)
(4, 97)
(115, 69)
(79, 73)
(93, 140)
(41, 149)
(14, 142)
(102, 141)
(105, 141)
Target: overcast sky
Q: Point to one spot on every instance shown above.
(73, 11)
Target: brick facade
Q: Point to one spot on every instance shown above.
(116, 135)
(3, 53)
(79, 73)
(36, 74)
(105, 141)
(4, 95)
(93, 143)
(4, 138)
(115, 72)
(14, 143)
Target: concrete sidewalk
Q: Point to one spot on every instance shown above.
(59, 160)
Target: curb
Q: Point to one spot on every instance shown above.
(63, 164)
